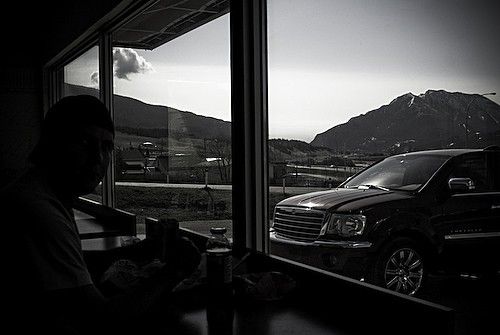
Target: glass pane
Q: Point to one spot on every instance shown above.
(361, 81)
(81, 76)
(173, 128)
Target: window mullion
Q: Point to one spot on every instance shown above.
(249, 121)
(106, 95)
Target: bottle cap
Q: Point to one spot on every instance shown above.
(218, 230)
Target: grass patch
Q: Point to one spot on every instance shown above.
(190, 205)
(182, 204)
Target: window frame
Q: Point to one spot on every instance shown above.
(249, 107)
(249, 113)
(99, 35)
(54, 74)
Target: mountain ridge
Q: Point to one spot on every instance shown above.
(132, 113)
(434, 119)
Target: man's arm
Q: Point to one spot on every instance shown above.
(87, 308)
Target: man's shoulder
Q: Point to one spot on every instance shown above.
(30, 184)
(30, 198)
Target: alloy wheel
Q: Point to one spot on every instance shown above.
(404, 271)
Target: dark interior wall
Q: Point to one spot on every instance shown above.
(71, 19)
(20, 116)
(33, 34)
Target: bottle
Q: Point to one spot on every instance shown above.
(219, 267)
(220, 287)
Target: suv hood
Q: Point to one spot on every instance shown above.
(343, 199)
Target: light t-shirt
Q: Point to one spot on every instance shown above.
(44, 242)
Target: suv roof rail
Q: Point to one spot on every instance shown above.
(492, 148)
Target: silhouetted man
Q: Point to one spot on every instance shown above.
(48, 284)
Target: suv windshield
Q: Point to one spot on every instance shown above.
(405, 172)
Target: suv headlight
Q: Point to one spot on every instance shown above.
(346, 225)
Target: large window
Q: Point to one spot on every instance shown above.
(351, 82)
(173, 120)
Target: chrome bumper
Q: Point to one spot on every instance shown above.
(332, 244)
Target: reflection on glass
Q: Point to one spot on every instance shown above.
(400, 173)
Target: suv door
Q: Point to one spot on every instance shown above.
(471, 215)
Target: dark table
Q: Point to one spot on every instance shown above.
(295, 314)
(318, 305)
(322, 303)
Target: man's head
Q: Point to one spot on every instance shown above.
(75, 144)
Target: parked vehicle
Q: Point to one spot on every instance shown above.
(400, 219)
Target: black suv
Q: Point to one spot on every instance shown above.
(400, 219)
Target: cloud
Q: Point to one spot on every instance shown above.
(94, 78)
(127, 61)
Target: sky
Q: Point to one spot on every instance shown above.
(328, 60)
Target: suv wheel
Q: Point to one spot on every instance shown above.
(399, 267)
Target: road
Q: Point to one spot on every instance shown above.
(272, 189)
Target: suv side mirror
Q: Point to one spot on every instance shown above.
(461, 184)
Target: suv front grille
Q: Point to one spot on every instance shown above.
(298, 223)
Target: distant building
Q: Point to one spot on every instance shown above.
(133, 162)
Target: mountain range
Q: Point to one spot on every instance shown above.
(435, 119)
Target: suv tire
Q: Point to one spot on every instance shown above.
(400, 266)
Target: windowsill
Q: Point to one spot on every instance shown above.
(354, 303)
(319, 303)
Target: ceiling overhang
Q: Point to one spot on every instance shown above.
(166, 20)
